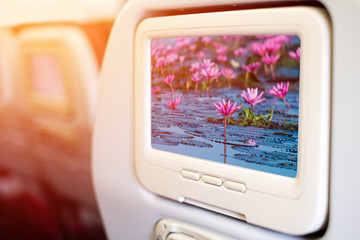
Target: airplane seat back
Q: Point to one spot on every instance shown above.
(58, 86)
(11, 135)
(129, 210)
(49, 66)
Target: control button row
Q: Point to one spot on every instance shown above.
(211, 180)
(235, 186)
(240, 187)
(190, 175)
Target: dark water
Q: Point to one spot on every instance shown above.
(185, 131)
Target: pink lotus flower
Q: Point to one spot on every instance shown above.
(263, 36)
(194, 39)
(252, 67)
(182, 59)
(182, 42)
(192, 47)
(201, 55)
(226, 109)
(195, 66)
(221, 50)
(169, 47)
(258, 48)
(206, 40)
(280, 91)
(197, 78)
(251, 96)
(210, 72)
(155, 90)
(280, 39)
(227, 38)
(228, 73)
(295, 55)
(217, 44)
(166, 50)
(173, 103)
(222, 58)
(171, 58)
(272, 46)
(160, 62)
(240, 52)
(251, 142)
(156, 49)
(271, 60)
(207, 63)
(168, 80)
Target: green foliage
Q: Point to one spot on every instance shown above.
(289, 126)
(252, 59)
(212, 120)
(248, 118)
(204, 86)
(289, 62)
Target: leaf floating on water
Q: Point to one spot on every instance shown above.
(283, 134)
(197, 144)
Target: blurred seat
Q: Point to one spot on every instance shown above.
(57, 87)
(48, 87)
(13, 141)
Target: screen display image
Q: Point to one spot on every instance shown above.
(228, 99)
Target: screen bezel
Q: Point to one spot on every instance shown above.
(203, 95)
(270, 183)
(306, 195)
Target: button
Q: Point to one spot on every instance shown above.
(190, 175)
(211, 180)
(179, 236)
(240, 187)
